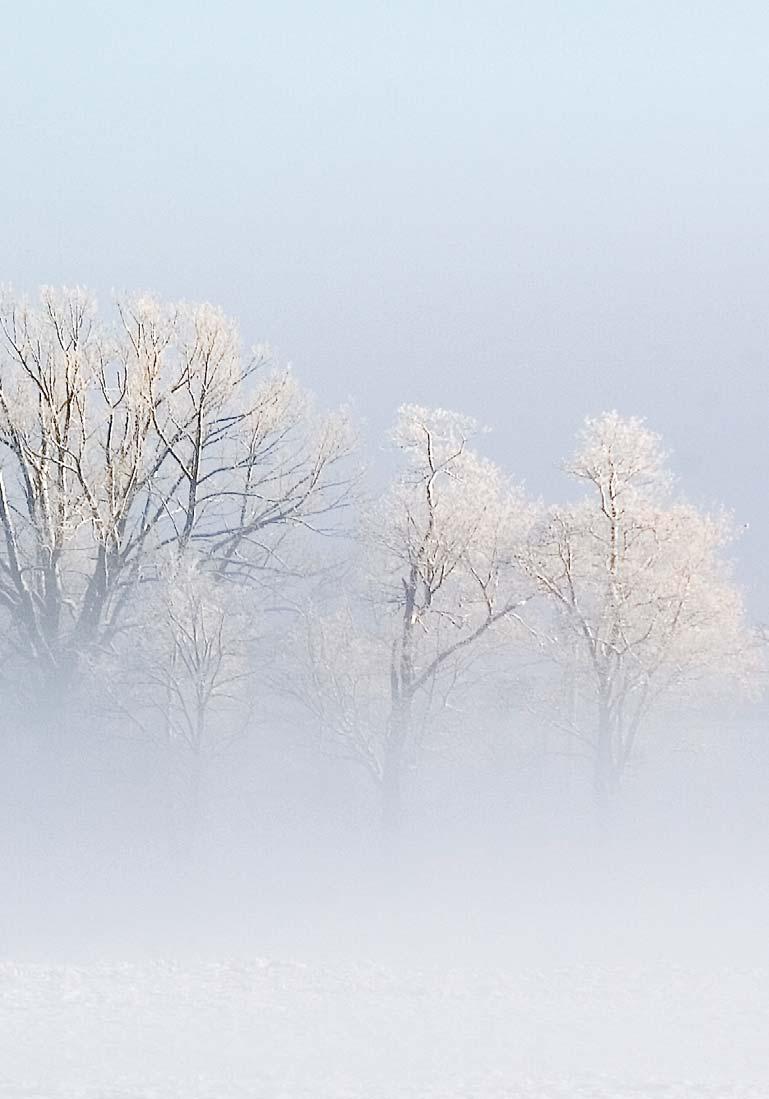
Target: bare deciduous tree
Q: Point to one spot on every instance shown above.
(184, 676)
(644, 601)
(440, 551)
(122, 443)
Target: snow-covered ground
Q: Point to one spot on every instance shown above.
(291, 1029)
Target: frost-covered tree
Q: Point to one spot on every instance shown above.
(338, 670)
(643, 599)
(123, 442)
(440, 552)
(183, 676)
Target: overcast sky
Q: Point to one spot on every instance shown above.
(524, 211)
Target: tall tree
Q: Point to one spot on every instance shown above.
(124, 443)
(643, 599)
(441, 554)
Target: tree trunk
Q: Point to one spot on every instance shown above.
(193, 810)
(392, 774)
(603, 777)
(392, 803)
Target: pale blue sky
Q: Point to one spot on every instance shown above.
(527, 211)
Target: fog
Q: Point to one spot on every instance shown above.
(506, 942)
(529, 212)
(351, 747)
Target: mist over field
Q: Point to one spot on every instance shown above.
(383, 599)
(506, 943)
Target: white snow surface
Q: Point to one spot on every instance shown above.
(246, 1029)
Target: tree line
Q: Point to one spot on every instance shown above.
(189, 547)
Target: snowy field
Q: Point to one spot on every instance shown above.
(299, 1030)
